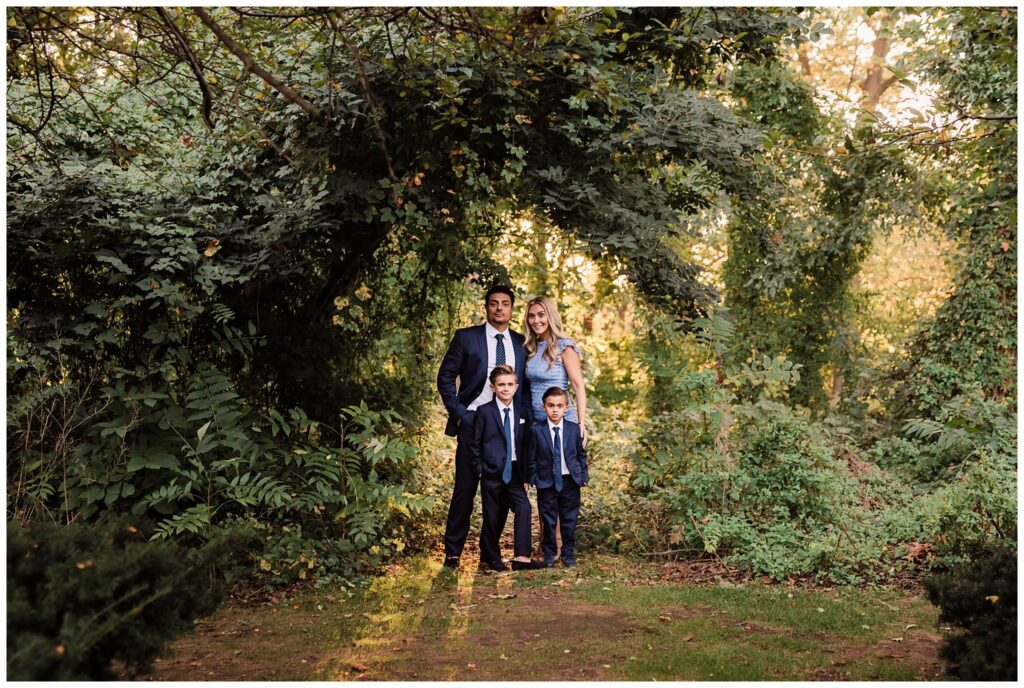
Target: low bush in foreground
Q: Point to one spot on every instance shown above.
(980, 600)
(80, 597)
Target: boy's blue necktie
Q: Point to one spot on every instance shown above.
(558, 461)
(499, 350)
(506, 475)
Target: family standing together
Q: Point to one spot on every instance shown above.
(516, 429)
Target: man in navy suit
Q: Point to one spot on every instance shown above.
(472, 354)
(499, 457)
(559, 464)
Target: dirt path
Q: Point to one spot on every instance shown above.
(608, 620)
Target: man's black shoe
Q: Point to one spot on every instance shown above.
(526, 565)
(451, 562)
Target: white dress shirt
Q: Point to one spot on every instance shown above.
(561, 439)
(512, 422)
(492, 346)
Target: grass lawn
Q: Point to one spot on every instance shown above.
(609, 619)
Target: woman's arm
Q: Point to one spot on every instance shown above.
(574, 369)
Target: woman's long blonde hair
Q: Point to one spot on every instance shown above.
(551, 336)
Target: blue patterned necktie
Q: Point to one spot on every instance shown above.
(558, 461)
(499, 350)
(506, 475)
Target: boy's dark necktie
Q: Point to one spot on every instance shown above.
(499, 349)
(506, 475)
(558, 461)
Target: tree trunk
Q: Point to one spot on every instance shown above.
(876, 83)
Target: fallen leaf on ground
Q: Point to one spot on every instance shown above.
(357, 667)
(471, 665)
(508, 596)
(688, 638)
(897, 640)
(664, 617)
(909, 626)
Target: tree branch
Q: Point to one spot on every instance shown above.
(190, 58)
(251, 66)
(370, 100)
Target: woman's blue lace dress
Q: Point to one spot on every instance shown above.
(541, 377)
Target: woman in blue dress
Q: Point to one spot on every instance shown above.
(553, 360)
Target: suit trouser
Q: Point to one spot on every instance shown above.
(498, 498)
(564, 505)
(460, 510)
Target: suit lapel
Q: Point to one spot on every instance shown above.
(547, 436)
(481, 345)
(515, 355)
(568, 443)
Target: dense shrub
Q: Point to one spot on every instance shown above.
(980, 599)
(79, 597)
(781, 505)
(207, 462)
(963, 465)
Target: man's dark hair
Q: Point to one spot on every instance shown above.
(555, 392)
(500, 289)
(503, 369)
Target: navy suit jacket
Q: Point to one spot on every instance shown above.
(488, 451)
(542, 454)
(466, 359)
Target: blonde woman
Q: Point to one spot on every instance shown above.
(553, 360)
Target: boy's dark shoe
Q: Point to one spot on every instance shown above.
(549, 563)
(569, 563)
(451, 562)
(526, 565)
(487, 567)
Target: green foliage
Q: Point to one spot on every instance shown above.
(973, 338)
(779, 506)
(965, 428)
(980, 600)
(217, 271)
(792, 261)
(777, 99)
(206, 464)
(81, 596)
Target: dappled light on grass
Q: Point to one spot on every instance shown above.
(460, 608)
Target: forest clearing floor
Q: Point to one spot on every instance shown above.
(608, 619)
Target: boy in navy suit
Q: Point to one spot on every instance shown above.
(500, 458)
(559, 465)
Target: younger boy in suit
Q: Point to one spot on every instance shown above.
(499, 456)
(559, 464)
